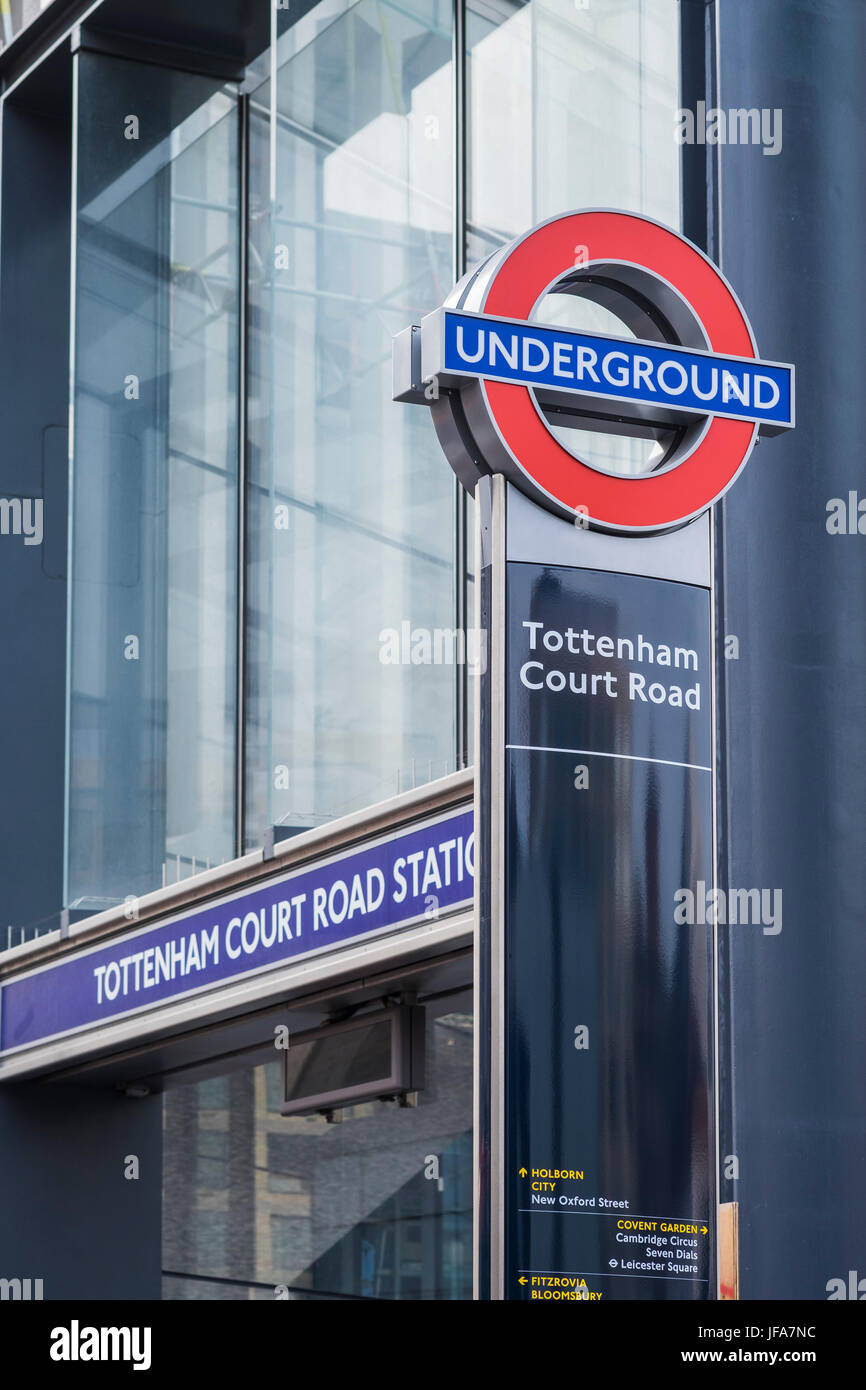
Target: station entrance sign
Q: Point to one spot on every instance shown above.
(499, 379)
(596, 1146)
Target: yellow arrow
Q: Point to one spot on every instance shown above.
(523, 1281)
(703, 1230)
(523, 1172)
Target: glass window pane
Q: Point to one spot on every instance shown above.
(573, 106)
(350, 504)
(154, 493)
(378, 1206)
(570, 106)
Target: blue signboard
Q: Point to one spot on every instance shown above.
(664, 376)
(608, 1046)
(410, 876)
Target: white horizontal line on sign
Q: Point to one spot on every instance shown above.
(590, 753)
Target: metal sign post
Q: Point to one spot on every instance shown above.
(595, 980)
(597, 1177)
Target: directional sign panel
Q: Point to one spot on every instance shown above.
(608, 813)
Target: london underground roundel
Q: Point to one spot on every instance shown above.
(509, 390)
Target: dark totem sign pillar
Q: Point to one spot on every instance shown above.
(596, 1061)
(595, 798)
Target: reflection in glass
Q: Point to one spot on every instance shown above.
(378, 1206)
(154, 497)
(571, 107)
(350, 504)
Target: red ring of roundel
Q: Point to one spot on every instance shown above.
(654, 500)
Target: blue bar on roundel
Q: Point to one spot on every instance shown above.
(626, 369)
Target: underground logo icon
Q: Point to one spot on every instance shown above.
(512, 391)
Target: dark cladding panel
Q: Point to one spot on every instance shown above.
(34, 409)
(793, 594)
(71, 1214)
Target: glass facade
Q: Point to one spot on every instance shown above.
(571, 105)
(15, 15)
(153, 527)
(351, 515)
(377, 1206)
